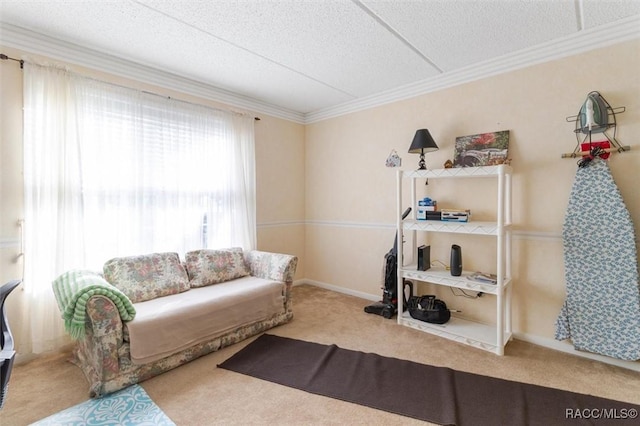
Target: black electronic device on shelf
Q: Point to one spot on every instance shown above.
(456, 260)
(388, 306)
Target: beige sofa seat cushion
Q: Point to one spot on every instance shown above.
(167, 325)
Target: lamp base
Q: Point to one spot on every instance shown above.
(421, 164)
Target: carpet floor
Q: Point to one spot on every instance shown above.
(199, 393)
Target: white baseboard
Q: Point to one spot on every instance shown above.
(566, 347)
(337, 289)
(562, 346)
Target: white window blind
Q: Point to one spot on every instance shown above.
(111, 171)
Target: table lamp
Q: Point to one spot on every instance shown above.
(422, 142)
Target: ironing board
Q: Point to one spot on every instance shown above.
(601, 312)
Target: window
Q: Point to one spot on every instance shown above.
(111, 171)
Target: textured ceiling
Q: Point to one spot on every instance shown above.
(307, 56)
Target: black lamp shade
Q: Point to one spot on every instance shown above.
(422, 142)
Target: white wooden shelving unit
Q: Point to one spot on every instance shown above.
(492, 337)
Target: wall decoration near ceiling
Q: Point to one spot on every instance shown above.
(596, 116)
(485, 149)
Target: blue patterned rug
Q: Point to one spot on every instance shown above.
(128, 407)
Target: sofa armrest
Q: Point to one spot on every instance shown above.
(274, 266)
(103, 338)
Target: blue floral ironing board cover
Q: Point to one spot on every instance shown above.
(601, 313)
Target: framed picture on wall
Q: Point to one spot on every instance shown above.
(485, 149)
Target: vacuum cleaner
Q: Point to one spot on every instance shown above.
(388, 306)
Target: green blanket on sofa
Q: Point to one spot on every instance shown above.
(74, 288)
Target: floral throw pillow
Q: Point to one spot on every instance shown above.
(148, 276)
(206, 267)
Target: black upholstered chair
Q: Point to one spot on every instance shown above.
(6, 341)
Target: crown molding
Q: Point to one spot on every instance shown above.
(582, 41)
(39, 44)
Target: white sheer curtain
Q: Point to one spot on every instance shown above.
(111, 171)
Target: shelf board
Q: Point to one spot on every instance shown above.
(477, 228)
(443, 277)
(461, 330)
(461, 172)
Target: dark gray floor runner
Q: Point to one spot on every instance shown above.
(435, 394)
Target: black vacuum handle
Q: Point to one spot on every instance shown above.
(406, 212)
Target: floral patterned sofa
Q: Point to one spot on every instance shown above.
(183, 310)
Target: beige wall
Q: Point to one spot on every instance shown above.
(11, 203)
(350, 194)
(279, 173)
(280, 188)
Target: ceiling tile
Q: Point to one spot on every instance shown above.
(333, 42)
(136, 33)
(599, 12)
(456, 34)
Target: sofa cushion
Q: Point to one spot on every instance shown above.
(206, 267)
(168, 325)
(148, 276)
